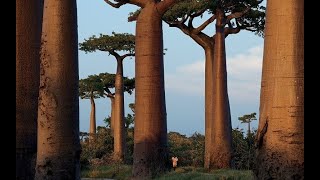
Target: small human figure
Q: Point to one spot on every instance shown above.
(174, 162)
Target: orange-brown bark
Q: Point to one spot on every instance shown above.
(58, 149)
(280, 140)
(118, 129)
(112, 115)
(150, 133)
(218, 120)
(28, 34)
(92, 120)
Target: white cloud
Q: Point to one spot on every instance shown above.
(244, 76)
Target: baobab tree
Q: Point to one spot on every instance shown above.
(247, 118)
(28, 36)
(109, 82)
(58, 150)
(230, 18)
(91, 88)
(150, 155)
(280, 136)
(113, 45)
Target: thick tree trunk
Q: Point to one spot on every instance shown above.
(280, 140)
(150, 136)
(112, 116)
(58, 118)
(119, 132)
(92, 131)
(28, 34)
(209, 86)
(220, 147)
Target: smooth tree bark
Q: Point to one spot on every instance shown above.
(58, 150)
(28, 36)
(118, 112)
(220, 146)
(150, 155)
(150, 132)
(112, 114)
(280, 138)
(92, 119)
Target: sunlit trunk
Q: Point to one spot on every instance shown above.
(92, 120)
(28, 34)
(112, 116)
(119, 133)
(150, 131)
(208, 103)
(220, 124)
(58, 150)
(280, 140)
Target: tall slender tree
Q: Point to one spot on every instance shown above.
(150, 155)
(231, 17)
(109, 82)
(91, 88)
(247, 118)
(28, 36)
(113, 44)
(280, 138)
(58, 150)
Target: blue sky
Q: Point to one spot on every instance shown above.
(184, 69)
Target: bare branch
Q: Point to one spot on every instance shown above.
(192, 16)
(127, 55)
(205, 24)
(109, 95)
(228, 30)
(115, 54)
(190, 25)
(116, 5)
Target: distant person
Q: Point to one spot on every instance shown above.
(174, 162)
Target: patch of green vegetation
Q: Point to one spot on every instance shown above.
(121, 172)
(191, 173)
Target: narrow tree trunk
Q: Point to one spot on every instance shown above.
(92, 120)
(28, 34)
(280, 141)
(221, 139)
(112, 116)
(150, 137)
(119, 135)
(58, 118)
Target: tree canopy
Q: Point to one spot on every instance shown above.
(91, 87)
(247, 118)
(116, 42)
(97, 86)
(108, 81)
(240, 14)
